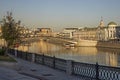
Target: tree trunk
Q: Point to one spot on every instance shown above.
(6, 49)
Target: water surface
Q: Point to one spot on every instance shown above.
(104, 56)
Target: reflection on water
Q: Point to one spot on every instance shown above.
(104, 56)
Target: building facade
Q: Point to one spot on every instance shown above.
(100, 33)
(109, 32)
(45, 31)
(85, 34)
(68, 33)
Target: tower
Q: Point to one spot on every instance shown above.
(101, 23)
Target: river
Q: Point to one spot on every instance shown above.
(104, 56)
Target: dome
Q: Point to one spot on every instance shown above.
(112, 23)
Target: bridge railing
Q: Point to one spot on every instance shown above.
(93, 71)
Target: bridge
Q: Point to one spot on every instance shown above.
(60, 41)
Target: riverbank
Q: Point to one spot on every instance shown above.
(108, 44)
(104, 44)
(86, 43)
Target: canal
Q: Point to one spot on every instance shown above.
(104, 56)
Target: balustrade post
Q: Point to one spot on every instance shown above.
(26, 55)
(97, 71)
(15, 53)
(20, 54)
(69, 67)
(43, 59)
(54, 62)
(33, 57)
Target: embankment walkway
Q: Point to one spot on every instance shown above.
(24, 70)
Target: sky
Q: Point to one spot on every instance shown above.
(59, 14)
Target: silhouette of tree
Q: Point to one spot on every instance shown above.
(10, 30)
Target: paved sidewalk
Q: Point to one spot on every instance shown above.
(9, 74)
(25, 70)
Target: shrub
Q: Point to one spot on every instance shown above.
(2, 52)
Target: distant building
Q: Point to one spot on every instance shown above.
(45, 31)
(112, 28)
(109, 32)
(85, 34)
(101, 25)
(100, 33)
(68, 32)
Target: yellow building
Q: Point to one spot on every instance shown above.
(85, 34)
(45, 31)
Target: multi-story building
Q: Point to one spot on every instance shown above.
(68, 32)
(109, 32)
(85, 34)
(45, 31)
(112, 30)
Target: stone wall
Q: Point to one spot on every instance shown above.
(109, 44)
(86, 43)
(91, 43)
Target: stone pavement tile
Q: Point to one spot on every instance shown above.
(24, 78)
(33, 75)
(9, 74)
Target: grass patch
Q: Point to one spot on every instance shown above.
(7, 58)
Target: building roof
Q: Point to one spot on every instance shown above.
(112, 23)
(71, 28)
